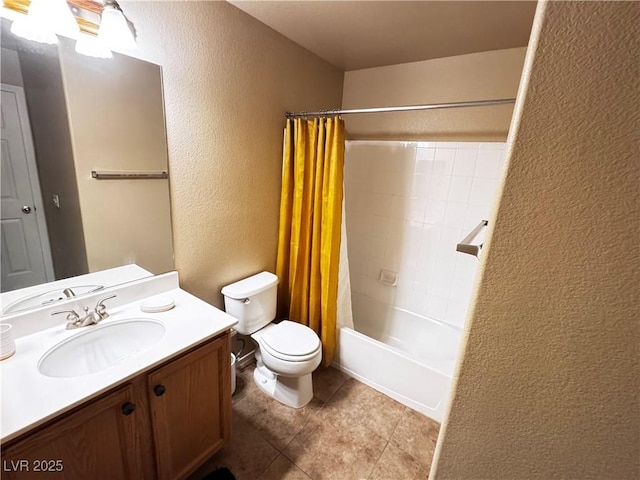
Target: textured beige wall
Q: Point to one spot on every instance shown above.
(477, 76)
(548, 387)
(116, 119)
(228, 80)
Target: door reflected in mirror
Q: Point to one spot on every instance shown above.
(65, 115)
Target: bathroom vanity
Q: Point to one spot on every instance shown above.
(105, 401)
(138, 394)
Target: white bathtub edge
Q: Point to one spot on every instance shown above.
(437, 414)
(371, 362)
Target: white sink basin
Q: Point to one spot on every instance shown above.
(48, 297)
(100, 347)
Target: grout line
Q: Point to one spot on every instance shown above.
(406, 409)
(267, 440)
(293, 438)
(300, 468)
(406, 412)
(377, 460)
(375, 464)
(268, 465)
(347, 378)
(294, 463)
(309, 419)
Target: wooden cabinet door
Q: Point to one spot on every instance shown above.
(98, 442)
(190, 404)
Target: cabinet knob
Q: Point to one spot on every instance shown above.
(159, 390)
(128, 408)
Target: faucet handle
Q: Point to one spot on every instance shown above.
(73, 319)
(72, 316)
(101, 308)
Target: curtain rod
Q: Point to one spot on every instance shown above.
(406, 108)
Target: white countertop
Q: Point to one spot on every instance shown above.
(30, 398)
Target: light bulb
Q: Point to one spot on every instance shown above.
(26, 28)
(114, 30)
(44, 19)
(54, 15)
(92, 47)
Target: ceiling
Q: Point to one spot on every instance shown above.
(362, 34)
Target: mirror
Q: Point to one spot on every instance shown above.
(64, 116)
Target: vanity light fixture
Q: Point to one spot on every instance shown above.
(115, 32)
(44, 19)
(97, 25)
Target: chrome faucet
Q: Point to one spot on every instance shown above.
(99, 313)
(68, 293)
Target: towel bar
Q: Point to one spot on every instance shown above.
(465, 245)
(128, 175)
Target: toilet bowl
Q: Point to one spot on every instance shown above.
(287, 352)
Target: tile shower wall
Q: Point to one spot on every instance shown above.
(407, 206)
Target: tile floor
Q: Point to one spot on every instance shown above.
(349, 431)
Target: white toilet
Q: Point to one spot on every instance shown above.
(287, 352)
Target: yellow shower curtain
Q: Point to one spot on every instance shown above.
(310, 220)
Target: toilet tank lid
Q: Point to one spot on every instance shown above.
(250, 286)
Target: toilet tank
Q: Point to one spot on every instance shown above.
(252, 301)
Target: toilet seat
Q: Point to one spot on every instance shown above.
(289, 358)
(291, 341)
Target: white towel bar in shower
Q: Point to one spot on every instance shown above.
(465, 246)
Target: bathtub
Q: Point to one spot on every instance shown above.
(403, 355)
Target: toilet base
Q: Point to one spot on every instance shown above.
(294, 392)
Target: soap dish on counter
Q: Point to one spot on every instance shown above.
(157, 304)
